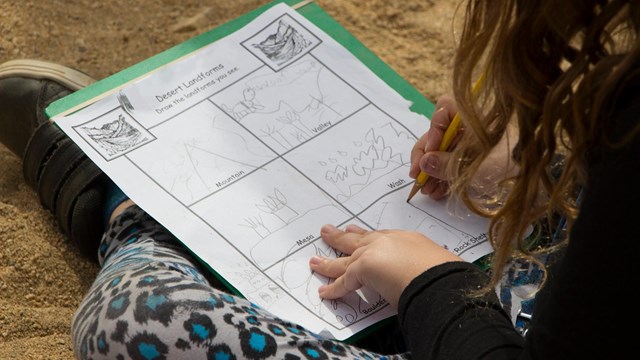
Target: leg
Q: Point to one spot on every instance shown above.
(151, 301)
(67, 182)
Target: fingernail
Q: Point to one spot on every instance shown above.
(316, 260)
(322, 289)
(430, 164)
(327, 228)
(433, 161)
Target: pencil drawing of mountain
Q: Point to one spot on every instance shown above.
(284, 45)
(116, 136)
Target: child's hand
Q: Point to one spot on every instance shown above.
(385, 261)
(425, 154)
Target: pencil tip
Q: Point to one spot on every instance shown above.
(414, 190)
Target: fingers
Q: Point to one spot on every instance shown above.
(445, 111)
(429, 141)
(432, 139)
(338, 269)
(344, 241)
(434, 163)
(441, 119)
(347, 241)
(437, 189)
(339, 288)
(353, 228)
(417, 152)
(334, 269)
(331, 268)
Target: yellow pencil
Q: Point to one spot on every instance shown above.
(447, 138)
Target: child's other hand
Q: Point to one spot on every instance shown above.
(425, 154)
(384, 261)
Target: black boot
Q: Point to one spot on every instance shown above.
(68, 183)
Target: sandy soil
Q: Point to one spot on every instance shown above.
(42, 277)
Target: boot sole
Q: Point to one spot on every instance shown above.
(38, 69)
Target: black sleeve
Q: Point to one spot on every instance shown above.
(586, 310)
(440, 321)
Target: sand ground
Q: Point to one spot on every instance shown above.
(42, 276)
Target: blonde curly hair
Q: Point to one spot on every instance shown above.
(551, 69)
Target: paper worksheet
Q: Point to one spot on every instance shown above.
(246, 147)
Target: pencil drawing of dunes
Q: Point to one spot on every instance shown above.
(116, 136)
(284, 45)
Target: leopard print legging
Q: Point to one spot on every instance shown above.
(150, 300)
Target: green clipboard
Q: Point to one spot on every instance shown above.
(307, 8)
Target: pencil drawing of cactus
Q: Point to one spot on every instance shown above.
(274, 133)
(276, 204)
(293, 118)
(257, 224)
